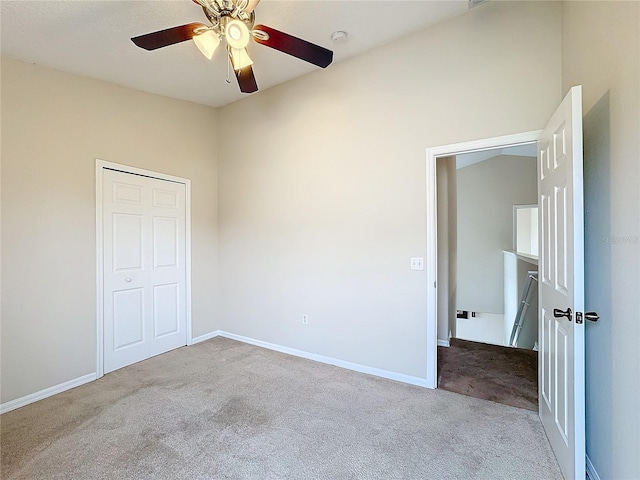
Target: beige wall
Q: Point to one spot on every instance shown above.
(446, 189)
(487, 192)
(601, 51)
(54, 126)
(321, 211)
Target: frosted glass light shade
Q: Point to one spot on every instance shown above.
(240, 58)
(207, 43)
(237, 34)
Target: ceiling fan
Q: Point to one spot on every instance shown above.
(234, 22)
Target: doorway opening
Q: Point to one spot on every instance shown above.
(487, 274)
(439, 297)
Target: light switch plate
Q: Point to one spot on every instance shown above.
(417, 263)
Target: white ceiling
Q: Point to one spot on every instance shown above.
(92, 38)
(466, 159)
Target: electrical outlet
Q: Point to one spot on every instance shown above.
(305, 319)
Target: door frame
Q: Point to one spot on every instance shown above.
(101, 165)
(433, 153)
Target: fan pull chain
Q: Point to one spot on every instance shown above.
(228, 79)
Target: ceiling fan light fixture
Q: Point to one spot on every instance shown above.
(240, 58)
(237, 34)
(207, 43)
(235, 21)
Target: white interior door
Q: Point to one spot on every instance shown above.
(144, 228)
(561, 274)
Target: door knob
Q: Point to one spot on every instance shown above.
(128, 280)
(562, 313)
(591, 316)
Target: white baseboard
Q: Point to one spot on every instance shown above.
(591, 471)
(47, 392)
(206, 336)
(443, 343)
(399, 377)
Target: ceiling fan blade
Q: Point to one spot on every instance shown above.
(246, 80)
(169, 36)
(309, 52)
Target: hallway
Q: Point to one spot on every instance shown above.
(491, 372)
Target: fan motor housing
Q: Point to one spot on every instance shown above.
(220, 19)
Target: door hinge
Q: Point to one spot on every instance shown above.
(578, 318)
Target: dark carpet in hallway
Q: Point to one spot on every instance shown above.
(491, 372)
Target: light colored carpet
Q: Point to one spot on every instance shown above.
(227, 410)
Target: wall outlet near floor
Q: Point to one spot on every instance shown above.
(305, 319)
